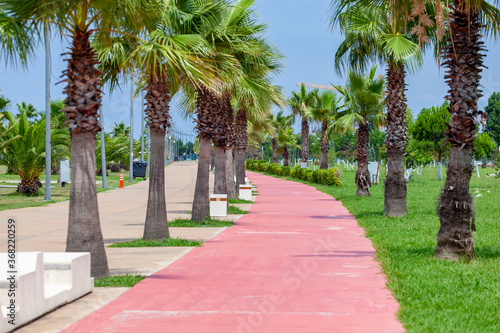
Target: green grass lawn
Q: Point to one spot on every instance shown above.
(156, 243)
(10, 199)
(119, 281)
(208, 222)
(235, 210)
(434, 295)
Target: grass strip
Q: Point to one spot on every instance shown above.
(239, 201)
(207, 223)
(434, 295)
(156, 243)
(118, 281)
(235, 210)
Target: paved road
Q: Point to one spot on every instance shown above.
(297, 263)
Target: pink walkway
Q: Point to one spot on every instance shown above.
(297, 263)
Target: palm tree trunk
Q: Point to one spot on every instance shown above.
(323, 164)
(205, 101)
(464, 63)
(275, 147)
(220, 186)
(157, 112)
(156, 226)
(202, 192)
(285, 156)
(231, 184)
(396, 137)
(84, 229)
(240, 130)
(362, 176)
(305, 139)
(212, 156)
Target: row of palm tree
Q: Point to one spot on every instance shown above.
(396, 32)
(213, 52)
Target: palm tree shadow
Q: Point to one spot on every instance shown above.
(339, 254)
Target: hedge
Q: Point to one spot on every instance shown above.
(320, 176)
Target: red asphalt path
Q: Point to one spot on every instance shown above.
(297, 263)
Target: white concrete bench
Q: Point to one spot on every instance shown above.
(44, 281)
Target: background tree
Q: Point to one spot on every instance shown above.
(299, 103)
(325, 111)
(429, 126)
(483, 147)
(493, 117)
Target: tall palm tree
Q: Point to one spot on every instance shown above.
(364, 104)
(463, 55)
(166, 57)
(324, 111)
(372, 33)
(299, 103)
(79, 20)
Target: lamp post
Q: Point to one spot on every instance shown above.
(48, 148)
(131, 167)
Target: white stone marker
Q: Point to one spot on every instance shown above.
(245, 192)
(218, 205)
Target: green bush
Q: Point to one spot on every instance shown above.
(279, 171)
(310, 176)
(285, 171)
(333, 177)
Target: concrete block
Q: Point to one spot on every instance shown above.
(245, 192)
(218, 205)
(44, 281)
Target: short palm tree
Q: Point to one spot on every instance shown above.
(363, 102)
(286, 139)
(324, 111)
(277, 121)
(23, 149)
(300, 102)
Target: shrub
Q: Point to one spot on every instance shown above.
(310, 176)
(285, 171)
(333, 177)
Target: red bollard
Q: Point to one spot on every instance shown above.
(121, 180)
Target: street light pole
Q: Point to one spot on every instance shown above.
(131, 167)
(48, 149)
(103, 152)
(142, 126)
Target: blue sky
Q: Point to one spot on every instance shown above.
(299, 28)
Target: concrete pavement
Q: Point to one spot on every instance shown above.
(122, 214)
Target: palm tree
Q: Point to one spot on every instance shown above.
(324, 111)
(168, 56)
(277, 121)
(236, 39)
(28, 109)
(299, 103)
(463, 55)
(120, 130)
(79, 20)
(286, 139)
(23, 149)
(373, 33)
(363, 107)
